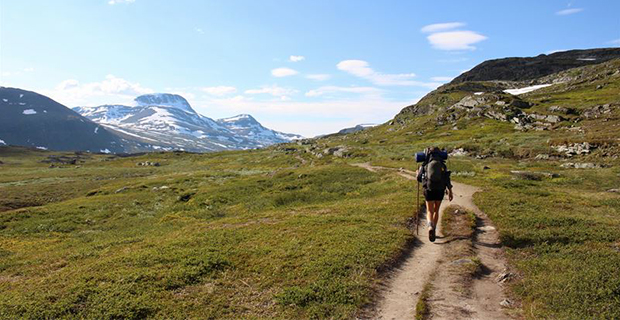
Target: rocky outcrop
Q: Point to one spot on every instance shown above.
(574, 149)
(598, 111)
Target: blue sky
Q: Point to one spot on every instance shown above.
(307, 67)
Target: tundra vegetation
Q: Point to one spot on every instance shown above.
(295, 231)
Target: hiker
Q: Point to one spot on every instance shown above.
(435, 179)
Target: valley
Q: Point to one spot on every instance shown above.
(297, 230)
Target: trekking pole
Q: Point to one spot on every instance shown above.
(417, 209)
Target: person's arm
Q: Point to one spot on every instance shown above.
(419, 173)
(449, 184)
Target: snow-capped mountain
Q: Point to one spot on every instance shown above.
(244, 125)
(167, 121)
(30, 119)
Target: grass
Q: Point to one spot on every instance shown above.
(563, 239)
(422, 307)
(272, 239)
(262, 234)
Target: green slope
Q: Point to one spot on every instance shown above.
(294, 231)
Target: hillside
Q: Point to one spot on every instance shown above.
(524, 69)
(30, 119)
(296, 231)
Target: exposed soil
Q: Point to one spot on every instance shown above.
(481, 297)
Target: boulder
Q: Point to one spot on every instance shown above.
(574, 149)
(583, 165)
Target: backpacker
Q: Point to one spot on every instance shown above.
(435, 174)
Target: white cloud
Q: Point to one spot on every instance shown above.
(614, 42)
(318, 77)
(566, 12)
(361, 68)
(113, 2)
(334, 89)
(455, 40)
(442, 79)
(296, 58)
(307, 118)
(283, 72)
(110, 90)
(432, 28)
(29, 69)
(219, 90)
(273, 90)
(199, 30)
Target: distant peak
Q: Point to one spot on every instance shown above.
(239, 117)
(165, 100)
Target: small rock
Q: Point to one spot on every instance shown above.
(486, 168)
(542, 156)
(553, 119)
(459, 152)
(584, 165)
(558, 109)
(503, 277)
(462, 261)
(614, 190)
(599, 87)
(506, 303)
(121, 190)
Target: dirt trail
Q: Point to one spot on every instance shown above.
(405, 284)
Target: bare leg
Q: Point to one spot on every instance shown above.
(436, 206)
(430, 206)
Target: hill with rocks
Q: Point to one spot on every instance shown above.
(523, 69)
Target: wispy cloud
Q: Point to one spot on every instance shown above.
(283, 72)
(568, 11)
(308, 118)
(296, 58)
(319, 77)
(219, 90)
(199, 30)
(113, 2)
(437, 27)
(614, 42)
(361, 68)
(334, 89)
(273, 90)
(455, 40)
(110, 90)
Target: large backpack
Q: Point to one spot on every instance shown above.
(435, 174)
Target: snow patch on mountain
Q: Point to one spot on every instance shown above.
(167, 121)
(165, 100)
(244, 125)
(2, 142)
(526, 89)
(29, 112)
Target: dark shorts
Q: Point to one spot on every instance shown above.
(433, 195)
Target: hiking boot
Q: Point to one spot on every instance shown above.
(431, 235)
